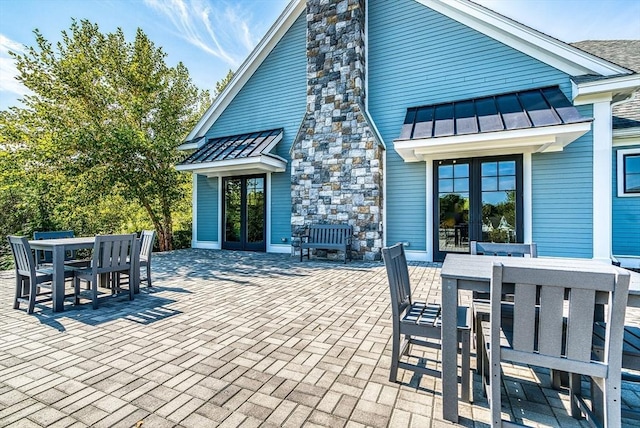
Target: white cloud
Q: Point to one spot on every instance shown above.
(221, 29)
(8, 70)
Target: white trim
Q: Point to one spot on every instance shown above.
(417, 256)
(206, 245)
(220, 210)
(194, 208)
(551, 51)
(246, 166)
(384, 199)
(602, 177)
(538, 140)
(620, 171)
(249, 66)
(527, 197)
(429, 235)
(584, 93)
(267, 235)
(279, 248)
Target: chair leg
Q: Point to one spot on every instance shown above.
(495, 400)
(148, 274)
(76, 291)
(19, 292)
(395, 353)
(32, 296)
(466, 365)
(574, 389)
(94, 293)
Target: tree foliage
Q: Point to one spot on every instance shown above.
(99, 132)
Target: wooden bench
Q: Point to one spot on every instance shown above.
(327, 237)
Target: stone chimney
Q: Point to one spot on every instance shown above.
(336, 167)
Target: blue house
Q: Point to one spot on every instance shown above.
(419, 121)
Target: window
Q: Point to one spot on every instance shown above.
(628, 172)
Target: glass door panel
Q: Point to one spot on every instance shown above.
(244, 213)
(233, 212)
(477, 199)
(255, 213)
(499, 201)
(453, 207)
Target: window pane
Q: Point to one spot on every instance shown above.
(508, 183)
(461, 170)
(489, 169)
(632, 164)
(632, 183)
(445, 171)
(461, 185)
(508, 168)
(489, 184)
(445, 186)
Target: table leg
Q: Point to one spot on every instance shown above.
(58, 278)
(450, 349)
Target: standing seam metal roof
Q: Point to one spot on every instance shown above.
(516, 110)
(234, 147)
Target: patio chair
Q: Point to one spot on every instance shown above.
(556, 333)
(111, 258)
(30, 280)
(147, 238)
(413, 320)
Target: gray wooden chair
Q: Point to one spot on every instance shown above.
(481, 305)
(111, 258)
(147, 238)
(30, 281)
(552, 332)
(413, 320)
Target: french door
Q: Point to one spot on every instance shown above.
(476, 199)
(244, 213)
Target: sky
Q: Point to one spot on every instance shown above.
(211, 37)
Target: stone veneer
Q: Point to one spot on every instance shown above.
(336, 166)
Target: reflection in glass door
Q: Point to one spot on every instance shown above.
(244, 213)
(478, 199)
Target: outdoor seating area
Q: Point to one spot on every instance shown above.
(228, 338)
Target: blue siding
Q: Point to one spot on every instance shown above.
(207, 210)
(274, 97)
(626, 217)
(416, 57)
(563, 198)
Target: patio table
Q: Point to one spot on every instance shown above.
(59, 247)
(473, 272)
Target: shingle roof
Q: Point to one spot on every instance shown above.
(515, 110)
(625, 53)
(235, 147)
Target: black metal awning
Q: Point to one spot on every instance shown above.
(539, 113)
(244, 152)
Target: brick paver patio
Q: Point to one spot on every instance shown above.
(239, 339)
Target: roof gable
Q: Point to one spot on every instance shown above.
(554, 52)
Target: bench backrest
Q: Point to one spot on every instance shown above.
(330, 233)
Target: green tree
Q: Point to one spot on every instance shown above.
(221, 84)
(112, 114)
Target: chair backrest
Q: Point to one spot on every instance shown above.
(504, 249)
(146, 244)
(112, 253)
(43, 256)
(22, 256)
(554, 332)
(395, 263)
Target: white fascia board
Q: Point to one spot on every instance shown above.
(551, 51)
(626, 136)
(537, 140)
(249, 66)
(255, 163)
(588, 92)
(188, 146)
